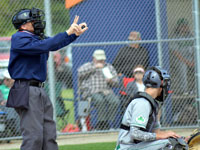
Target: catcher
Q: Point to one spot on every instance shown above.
(140, 129)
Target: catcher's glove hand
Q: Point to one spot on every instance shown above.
(194, 140)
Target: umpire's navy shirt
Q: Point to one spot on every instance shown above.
(29, 54)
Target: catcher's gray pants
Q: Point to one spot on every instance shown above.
(151, 145)
(37, 125)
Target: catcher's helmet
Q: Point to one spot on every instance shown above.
(30, 15)
(156, 77)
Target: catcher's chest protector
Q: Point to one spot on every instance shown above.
(154, 105)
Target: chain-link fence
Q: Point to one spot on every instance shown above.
(89, 96)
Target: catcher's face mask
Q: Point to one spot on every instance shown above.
(165, 89)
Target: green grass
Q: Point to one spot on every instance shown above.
(61, 122)
(69, 94)
(68, 97)
(91, 146)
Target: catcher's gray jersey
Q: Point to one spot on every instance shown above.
(136, 116)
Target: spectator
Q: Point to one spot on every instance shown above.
(182, 59)
(5, 87)
(136, 85)
(12, 116)
(132, 87)
(63, 72)
(131, 55)
(96, 80)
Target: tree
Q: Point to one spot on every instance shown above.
(60, 15)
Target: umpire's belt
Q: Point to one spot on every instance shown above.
(31, 82)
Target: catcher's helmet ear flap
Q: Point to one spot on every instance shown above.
(156, 77)
(21, 17)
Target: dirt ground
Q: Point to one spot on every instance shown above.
(84, 138)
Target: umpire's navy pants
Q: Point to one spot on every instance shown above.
(37, 125)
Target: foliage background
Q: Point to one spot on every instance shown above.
(60, 15)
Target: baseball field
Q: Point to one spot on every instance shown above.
(98, 141)
(90, 146)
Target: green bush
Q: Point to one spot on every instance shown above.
(59, 14)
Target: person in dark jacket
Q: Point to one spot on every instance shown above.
(131, 55)
(28, 67)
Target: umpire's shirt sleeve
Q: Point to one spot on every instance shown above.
(31, 44)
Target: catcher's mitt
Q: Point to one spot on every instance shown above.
(194, 140)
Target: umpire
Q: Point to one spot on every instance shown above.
(28, 67)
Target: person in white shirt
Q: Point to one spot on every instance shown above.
(136, 85)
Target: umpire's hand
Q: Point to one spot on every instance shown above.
(77, 29)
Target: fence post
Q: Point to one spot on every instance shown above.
(158, 29)
(197, 40)
(51, 87)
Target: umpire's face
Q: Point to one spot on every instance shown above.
(28, 26)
